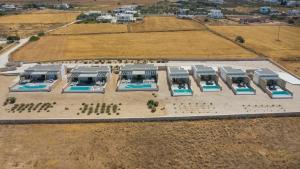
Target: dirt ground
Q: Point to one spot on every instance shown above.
(40, 18)
(159, 23)
(249, 143)
(27, 29)
(158, 45)
(91, 29)
(28, 24)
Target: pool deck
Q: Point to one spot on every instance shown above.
(201, 105)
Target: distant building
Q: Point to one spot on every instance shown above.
(216, 1)
(8, 7)
(215, 13)
(272, 1)
(265, 10)
(62, 6)
(125, 8)
(93, 13)
(293, 3)
(294, 12)
(124, 18)
(105, 18)
(184, 11)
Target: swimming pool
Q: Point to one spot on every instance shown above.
(79, 89)
(211, 87)
(138, 86)
(244, 90)
(32, 87)
(280, 93)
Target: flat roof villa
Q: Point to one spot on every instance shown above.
(206, 77)
(178, 79)
(38, 78)
(138, 77)
(237, 80)
(84, 79)
(270, 83)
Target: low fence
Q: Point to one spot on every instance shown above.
(150, 119)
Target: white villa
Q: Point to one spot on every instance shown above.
(106, 18)
(206, 77)
(138, 77)
(38, 78)
(124, 18)
(237, 80)
(179, 82)
(215, 13)
(84, 79)
(270, 83)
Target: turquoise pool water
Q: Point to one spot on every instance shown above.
(32, 87)
(80, 88)
(138, 86)
(211, 87)
(244, 90)
(182, 90)
(281, 93)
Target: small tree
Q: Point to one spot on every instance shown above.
(240, 39)
(41, 34)
(34, 38)
(291, 21)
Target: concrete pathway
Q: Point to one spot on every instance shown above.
(5, 55)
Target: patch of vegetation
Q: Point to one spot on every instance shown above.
(240, 39)
(41, 34)
(34, 38)
(10, 100)
(152, 105)
(12, 39)
(99, 108)
(30, 107)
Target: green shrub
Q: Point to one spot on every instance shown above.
(240, 39)
(34, 38)
(13, 38)
(41, 34)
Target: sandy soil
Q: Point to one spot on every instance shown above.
(40, 18)
(252, 143)
(27, 29)
(158, 23)
(264, 38)
(158, 45)
(91, 29)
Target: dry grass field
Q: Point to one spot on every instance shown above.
(28, 24)
(249, 143)
(25, 30)
(158, 45)
(264, 40)
(41, 18)
(91, 29)
(160, 23)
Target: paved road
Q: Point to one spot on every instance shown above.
(4, 57)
